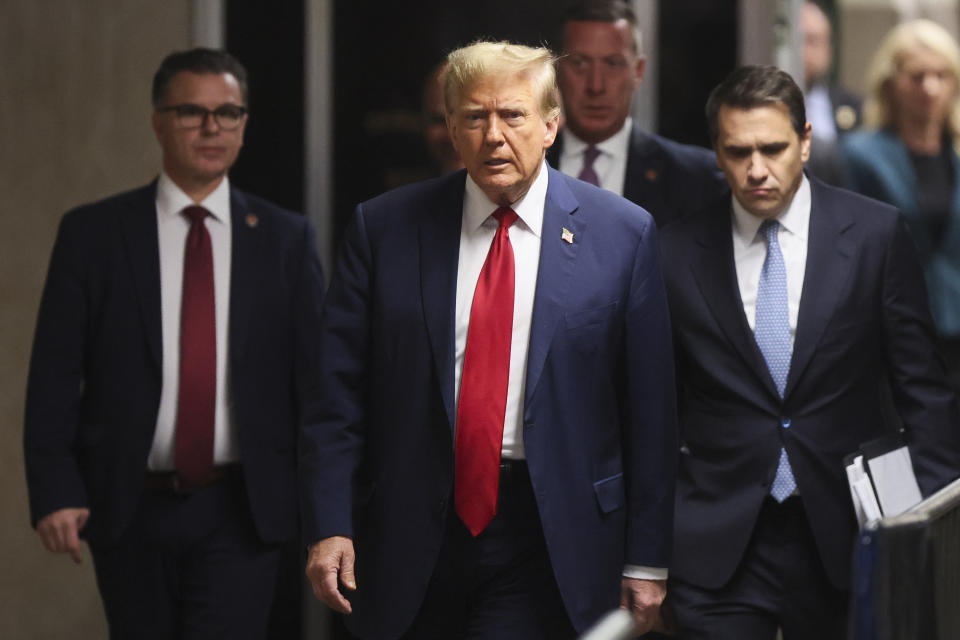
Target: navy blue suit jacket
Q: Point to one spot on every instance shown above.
(95, 373)
(667, 178)
(598, 415)
(863, 316)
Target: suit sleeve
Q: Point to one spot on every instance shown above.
(924, 400)
(55, 381)
(307, 308)
(650, 439)
(331, 445)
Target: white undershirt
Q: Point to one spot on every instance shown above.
(172, 228)
(750, 250)
(610, 165)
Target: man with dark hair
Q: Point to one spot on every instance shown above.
(436, 136)
(198, 60)
(832, 110)
(601, 67)
(172, 365)
(790, 302)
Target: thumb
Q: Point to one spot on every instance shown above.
(73, 545)
(82, 518)
(346, 569)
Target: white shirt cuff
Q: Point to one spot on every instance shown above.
(644, 573)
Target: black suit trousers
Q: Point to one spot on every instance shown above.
(499, 585)
(780, 583)
(189, 567)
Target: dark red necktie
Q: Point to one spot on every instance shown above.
(483, 383)
(588, 173)
(198, 355)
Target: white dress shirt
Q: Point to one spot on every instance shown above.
(172, 229)
(476, 235)
(750, 250)
(610, 165)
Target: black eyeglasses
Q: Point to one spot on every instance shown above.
(192, 116)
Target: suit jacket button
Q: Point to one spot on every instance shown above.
(785, 423)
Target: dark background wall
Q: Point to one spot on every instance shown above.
(268, 38)
(698, 48)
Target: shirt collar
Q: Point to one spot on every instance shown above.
(795, 219)
(477, 207)
(171, 200)
(615, 145)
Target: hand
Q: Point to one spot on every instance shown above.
(642, 598)
(60, 531)
(330, 559)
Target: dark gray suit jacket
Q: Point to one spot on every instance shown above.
(668, 179)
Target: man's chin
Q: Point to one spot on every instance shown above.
(763, 211)
(593, 130)
(500, 191)
(209, 172)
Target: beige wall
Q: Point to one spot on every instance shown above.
(864, 23)
(74, 127)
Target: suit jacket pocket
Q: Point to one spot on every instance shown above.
(586, 317)
(610, 493)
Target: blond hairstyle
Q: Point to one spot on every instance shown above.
(878, 109)
(468, 65)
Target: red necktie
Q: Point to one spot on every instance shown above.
(198, 355)
(483, 384)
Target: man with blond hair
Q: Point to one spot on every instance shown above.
(497, 454)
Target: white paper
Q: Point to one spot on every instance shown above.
(854, 472)
(895, 482)
(861, 492)
(871, 511)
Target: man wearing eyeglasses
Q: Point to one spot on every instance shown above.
(173, 363)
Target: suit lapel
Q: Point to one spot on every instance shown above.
(245, 257)
(557, 259)
(716, 276)
(439, 236)
(829, 254)
(139, 224)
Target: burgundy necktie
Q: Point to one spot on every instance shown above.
(587, 174)
(483, 383)
(198, 355)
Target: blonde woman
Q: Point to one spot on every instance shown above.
(909, 156)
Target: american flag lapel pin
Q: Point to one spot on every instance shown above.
(566, 235)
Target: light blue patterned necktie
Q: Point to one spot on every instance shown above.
(772, 333)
